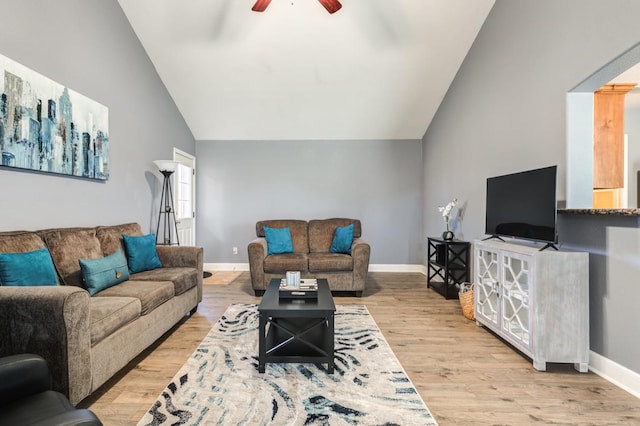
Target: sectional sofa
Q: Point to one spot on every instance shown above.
(86, 338)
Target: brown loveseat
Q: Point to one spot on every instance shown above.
(87, 339)
(311, 255)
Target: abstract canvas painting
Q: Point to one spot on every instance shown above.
(48, 127)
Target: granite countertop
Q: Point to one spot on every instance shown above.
(602, 212)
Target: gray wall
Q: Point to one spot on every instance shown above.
(378, 182)
(89, 47)
(505, 112)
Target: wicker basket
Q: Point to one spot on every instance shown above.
(467, 303)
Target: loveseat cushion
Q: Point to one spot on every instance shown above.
(280, 263)
(322, 231)
(278, 240)
(150, 293)
(342, 240)
(297, 228)
(67, 246)
(108, 314)
(183, 279)
(330, 262)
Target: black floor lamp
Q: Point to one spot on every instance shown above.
(166, 215)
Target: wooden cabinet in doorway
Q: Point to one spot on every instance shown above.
(608, 136)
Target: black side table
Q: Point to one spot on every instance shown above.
(447, 265)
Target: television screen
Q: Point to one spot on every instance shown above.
(523, 205)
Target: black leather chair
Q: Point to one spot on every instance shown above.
(26, 397)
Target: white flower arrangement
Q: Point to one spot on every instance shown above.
(446, 211)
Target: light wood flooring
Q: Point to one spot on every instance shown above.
(465, 374)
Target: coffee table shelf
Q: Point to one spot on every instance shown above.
(299, 340)
(296, 330)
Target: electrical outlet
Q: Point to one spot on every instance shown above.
(235, 250)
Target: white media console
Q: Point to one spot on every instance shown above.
(538, 301)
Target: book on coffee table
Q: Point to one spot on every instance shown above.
(308, 289)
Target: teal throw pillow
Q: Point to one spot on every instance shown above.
(27, 269)
(342, 240)
(278, 240)
(141, 253)
(99, 274)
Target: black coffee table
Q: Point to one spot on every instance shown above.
(296, 330)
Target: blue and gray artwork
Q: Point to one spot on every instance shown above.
(47, 127)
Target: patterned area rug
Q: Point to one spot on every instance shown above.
(220, 383)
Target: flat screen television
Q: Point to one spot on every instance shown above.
(523, 205)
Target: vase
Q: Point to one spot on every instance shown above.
(447, 235)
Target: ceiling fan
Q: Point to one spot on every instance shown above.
(332, 6)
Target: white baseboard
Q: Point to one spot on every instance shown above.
(226, 267)
(398, 268)
(615, 373)
(372, 268)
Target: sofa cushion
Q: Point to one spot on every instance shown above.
(108, 314)
(110, 237)
(330, 262)
(98, 274)
(150, 293)
(342, 240)
(183, 279)
(67, 246)
(297, 228)
(141, 252)
(31, 268)
(321, 232)
(281, 263)
(278, 240)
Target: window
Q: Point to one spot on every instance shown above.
(183, 184)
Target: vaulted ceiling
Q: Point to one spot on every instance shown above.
(376, 69)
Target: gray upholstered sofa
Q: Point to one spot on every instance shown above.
(311, 255)
(87, 339)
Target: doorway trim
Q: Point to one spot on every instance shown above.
(189, 160)
(579, 144)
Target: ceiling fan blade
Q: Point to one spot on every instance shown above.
(332, 6)
(260, 5)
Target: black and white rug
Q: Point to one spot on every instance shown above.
(220, 383)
